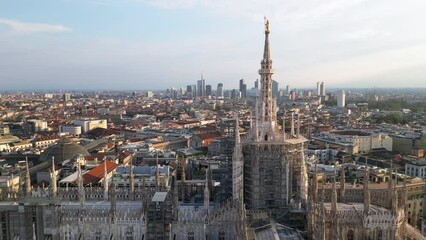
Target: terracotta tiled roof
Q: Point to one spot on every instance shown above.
(97, 173)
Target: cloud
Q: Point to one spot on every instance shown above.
(26, 27)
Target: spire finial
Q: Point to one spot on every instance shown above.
(266, 25)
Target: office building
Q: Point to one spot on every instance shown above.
(275, 89)
(318, 89)
(219, 92)
(201, 87)
(208, 90)
(67, 97)
(322, 90)
(341, 99)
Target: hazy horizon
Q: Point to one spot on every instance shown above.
(148, 44)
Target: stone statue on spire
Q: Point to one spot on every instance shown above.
(266, 25)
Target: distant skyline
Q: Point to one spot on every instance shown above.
(158, 44)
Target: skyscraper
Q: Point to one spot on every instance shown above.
(341, 99)
(243, 88)
(208, 90)
(256, 84)
(322, 89)
(201, 87)
(219, 92)
(318, 88)
(191, 91)
(275, 88)
(287, 89)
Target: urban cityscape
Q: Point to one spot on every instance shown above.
(247, 159)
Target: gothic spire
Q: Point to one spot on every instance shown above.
(132, 181)
(175, 196)
(390, 185)
(81, 193)
(206, 193)
(303, 178)
(342, 183)
(113, 200)
(266, 72)
(27, 178)
(404, 197)
(334, 214)
(395, 196)
(284, 113)
(292, 125)
(257, 120)
(266, 51)
(298, 125)
(366, 189)
(237, 165)
(237, 129)
(105, 181)
(157, 174)
(53, 178)
(334, 196)
(322, 214)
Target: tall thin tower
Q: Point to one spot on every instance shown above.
(267, 119)
(265, 73)
(273, 168)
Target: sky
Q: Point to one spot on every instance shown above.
(158, 44)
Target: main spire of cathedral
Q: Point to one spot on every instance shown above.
(266, 72)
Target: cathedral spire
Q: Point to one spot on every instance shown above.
(266, 51)
(366, 189)
(237, 129)
(27, 178)
(303, 178)
(113, 200)
(132, 181)
(404, 197)
(284, 124)
(334, 214)
(81, 193)
(237, 165)
(257, 120)
(390, 185)
(206, 193)
(157, 174)
(105, 181)
(322, 215)
(298, 126)
(175, 196)
(395, 196)
(53, 178)
(266, 72)
(342, 183)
